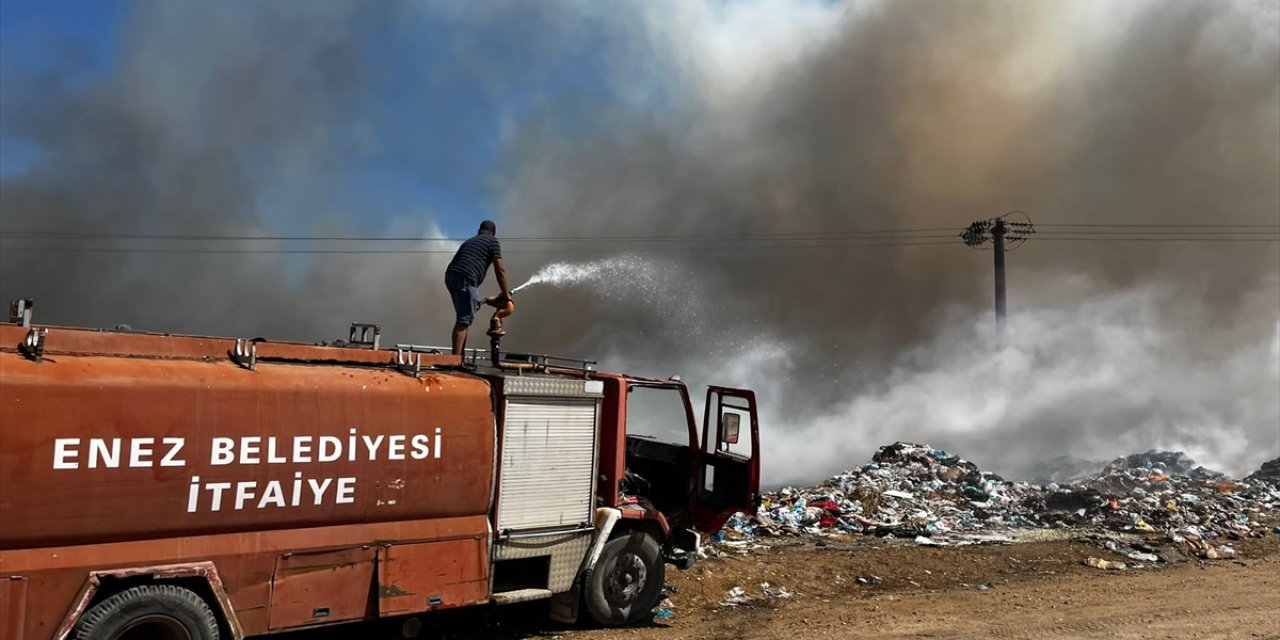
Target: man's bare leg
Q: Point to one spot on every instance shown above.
(459, 338)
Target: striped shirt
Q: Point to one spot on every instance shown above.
(474, 257)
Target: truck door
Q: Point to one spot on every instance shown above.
(728, 462)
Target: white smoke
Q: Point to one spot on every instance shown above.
(1094, 377)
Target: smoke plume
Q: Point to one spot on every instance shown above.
(223, 121)
(909, 115)
(719, 121)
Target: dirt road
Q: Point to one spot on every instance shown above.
(1023, 591)
(1026, 591)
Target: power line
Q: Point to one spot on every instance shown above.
(668, 248)
(1167, 225)
(877, 234)
(1152, 232)
(1015, 234)
(816, 235)
(1160, 239)
(155, 250)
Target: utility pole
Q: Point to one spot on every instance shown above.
(1001, 233)
(997, 235)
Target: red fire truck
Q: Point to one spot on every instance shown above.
(180, 487)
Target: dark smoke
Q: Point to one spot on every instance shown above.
(219, 120)
(924, 115)
(749, 119)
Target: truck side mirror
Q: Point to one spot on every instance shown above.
(729, 428)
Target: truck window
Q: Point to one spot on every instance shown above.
(657, 413)
(742, 447)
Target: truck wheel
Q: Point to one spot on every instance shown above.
(149, 612)
(627, 580)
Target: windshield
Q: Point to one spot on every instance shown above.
(657, 413)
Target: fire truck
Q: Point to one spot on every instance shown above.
(174, 487)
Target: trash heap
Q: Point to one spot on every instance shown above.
(908, 490)
(926, 494)
(1270, 472)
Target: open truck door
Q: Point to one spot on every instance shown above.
(728, 462)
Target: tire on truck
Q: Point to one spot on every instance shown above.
(626, 581)
(149, 612)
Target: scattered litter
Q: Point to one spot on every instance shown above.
(868, 580)
(1130, 553)
(1099, 563)
(666, 609)
(737, 598)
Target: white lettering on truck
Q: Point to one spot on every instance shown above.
(106, 453)
(98, 451)
(346, 491)
(140, 448)
(175, 446)
(61, 453)
(420, 449)
(330, 449)
(303, 491)
(221, 451)
(395, 447)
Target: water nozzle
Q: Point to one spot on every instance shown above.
(502, 309)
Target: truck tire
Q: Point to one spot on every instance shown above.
(626, 581)
(149, 612)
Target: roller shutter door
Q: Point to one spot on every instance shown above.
(548, 463)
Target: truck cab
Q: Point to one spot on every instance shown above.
(660, 482)
(695, 478)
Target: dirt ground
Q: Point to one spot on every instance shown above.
(1031, 590)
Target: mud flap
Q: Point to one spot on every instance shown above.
(564, 606)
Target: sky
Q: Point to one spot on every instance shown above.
(438, 130)
(24, 28)
(737, 165)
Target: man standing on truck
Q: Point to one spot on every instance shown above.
(465, 275)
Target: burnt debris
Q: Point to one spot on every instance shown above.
(936, 498)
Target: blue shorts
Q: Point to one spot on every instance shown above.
(466, 298)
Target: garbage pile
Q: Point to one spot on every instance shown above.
(1140, 470)
(935, 498)
(1270, 472)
